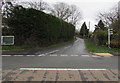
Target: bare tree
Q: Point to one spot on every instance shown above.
(6, 7)
(109, 17)
(119, 9)
(69, 13)
(75, 15)
(41, 5)
(61, 10)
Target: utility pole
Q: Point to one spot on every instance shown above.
(89, 29)
(89, 25)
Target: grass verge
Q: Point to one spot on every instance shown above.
(99, 49)
(33, 48)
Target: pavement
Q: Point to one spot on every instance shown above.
(60, 75)
(70, 62)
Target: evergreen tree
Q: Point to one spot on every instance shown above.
(101, 25)
(84, 31)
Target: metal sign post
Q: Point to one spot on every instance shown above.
(110, 32)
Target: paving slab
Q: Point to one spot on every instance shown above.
(60, 75)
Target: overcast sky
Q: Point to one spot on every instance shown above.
(89, 8)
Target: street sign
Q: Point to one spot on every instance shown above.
(7, 40)
(110, 31)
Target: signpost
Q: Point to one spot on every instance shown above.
(110, 32)
(7, 40)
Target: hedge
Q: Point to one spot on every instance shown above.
(36, 28)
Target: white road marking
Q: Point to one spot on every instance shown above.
(86, 55)
(67, 47)
(63, 55)
(6, 55)
(53, 55)
(59, 69)
(95, 56)
(53, 51)
(18, 55)
(46, 53)
(74, 55)
(30, 55)
(41, 55)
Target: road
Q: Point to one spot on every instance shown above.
(73, 56)
(75, 48)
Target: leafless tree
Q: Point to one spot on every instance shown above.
(61, 10)
(69, 13)
(7, 6)
(108, 17)
(41, 5)
(75, 15)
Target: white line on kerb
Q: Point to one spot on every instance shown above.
(6, 55)
(58, 69)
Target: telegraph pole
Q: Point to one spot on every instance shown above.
(89, 25)
(89, 29)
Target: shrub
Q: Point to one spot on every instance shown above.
(100, 37)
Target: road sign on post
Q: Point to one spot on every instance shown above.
(7, 40)
(110, 32)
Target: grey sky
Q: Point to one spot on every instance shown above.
(89, 8)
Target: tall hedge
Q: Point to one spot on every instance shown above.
(36, 28)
